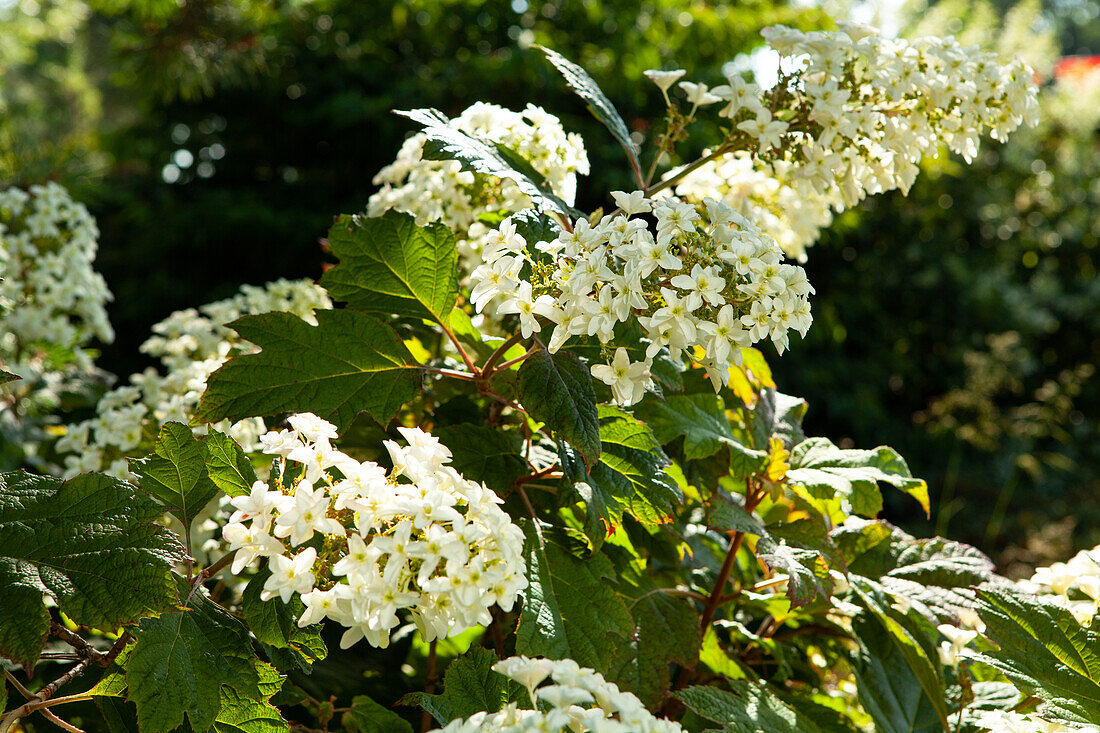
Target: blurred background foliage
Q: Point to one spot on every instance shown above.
(214, 140)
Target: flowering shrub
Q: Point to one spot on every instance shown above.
(612, 494)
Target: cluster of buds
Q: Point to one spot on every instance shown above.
(704, 284)
(578, 699)
(358, 544)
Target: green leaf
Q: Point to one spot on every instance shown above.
(700, 418)
(570, 608)
(598, 103)
(888, 687)
(367, 716)
(175, 473)
(242, 714)
(482, 157)
(487, 455)
(181, 660)
(727, 515)
(535, 227)
(469, 686)
(910, 641)
(347, 364)
(389, 264)
(228, 466)
(1046, 652)
(807, 571)
(275, 624)
(666, 631)
(827, 471)
(750, 708)
(935, 576)
(779, 415)
(556, 389)
(91, 544)
(6, 377)
(629, 477)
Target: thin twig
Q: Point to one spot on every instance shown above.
(488, 369)
(501, 367)
(83, 648)
(672, 180)
(452, 373)
(458, 345)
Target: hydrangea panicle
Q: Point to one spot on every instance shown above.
(358, 544)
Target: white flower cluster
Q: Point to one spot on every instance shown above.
(1003, 721)
(421, 538)
(190, 345)
(707, 282)
(853, 115)
(49, 293)
(764, 192)
(434, 190)
(1075, 585)
(579, 699)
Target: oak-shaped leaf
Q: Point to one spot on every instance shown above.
(629, 477)
(227, 465)
(347, 364)
(91, 544)
(1046, 652)
(180, 661)
(275, 625)
(556, 389)
(469, 686)
(570, 607)
(175, 472)
(392, 265)
(749, 707)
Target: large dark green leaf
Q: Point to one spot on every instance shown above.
(852, 475)
(570, 608)
(347, 364)
(779, 415)
(598, 103)
(486, 455)
(888, 688)
(666, 631)
(469, 686)
(389, 264)
(181, 660)
(751, 707)
(1046, 652)
(629, 477)
(700, 418)
(483, 157)
(91, 544)
(175, 473)
(556, 389)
